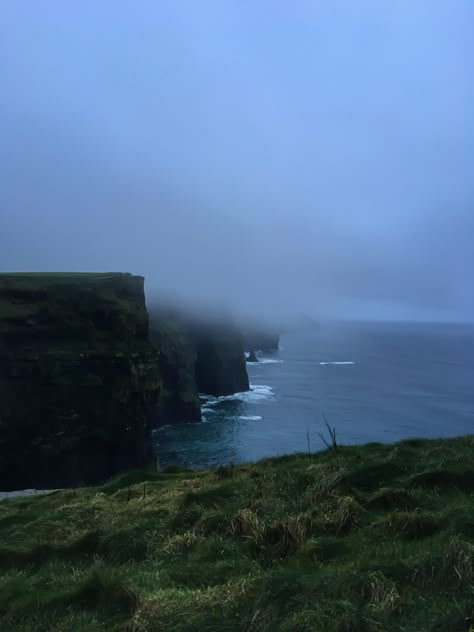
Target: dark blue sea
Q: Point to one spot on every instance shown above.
(372, 382)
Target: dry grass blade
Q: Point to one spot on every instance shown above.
(246, 524)
(332, 435)
(381, 593)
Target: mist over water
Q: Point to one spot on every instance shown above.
(314, 158)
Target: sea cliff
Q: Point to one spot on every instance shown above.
(78, 376)
(84, 378)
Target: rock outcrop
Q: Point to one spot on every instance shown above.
(252, 357)
(78, 378)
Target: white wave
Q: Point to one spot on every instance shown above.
(267, 361)
(207, 408)
(162, 427)
(346, 362)
(251, 417)
(257, 392)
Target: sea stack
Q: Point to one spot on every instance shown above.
(252, 357)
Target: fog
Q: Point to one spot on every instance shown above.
(277, 157)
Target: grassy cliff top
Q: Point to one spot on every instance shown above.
(38, 308)
(369, 538)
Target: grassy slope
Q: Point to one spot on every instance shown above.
(372, 538)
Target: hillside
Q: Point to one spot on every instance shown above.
(369, 538)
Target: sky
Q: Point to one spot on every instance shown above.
(304, 157)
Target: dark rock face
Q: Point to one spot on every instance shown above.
(252, 357)
(78, 378)
(198, 354)
(260, 339)
(83, 378)
(220, 365)
(179, 397)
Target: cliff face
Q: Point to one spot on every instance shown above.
(179, 397)
(197, 354)
(220, 359)
(78, 377)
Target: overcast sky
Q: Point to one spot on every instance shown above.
(284, 156)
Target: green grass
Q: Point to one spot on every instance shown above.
(53, 306)
(370, 538)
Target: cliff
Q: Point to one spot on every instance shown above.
(78, 377)
(197, 354)
(220, 358)
(179, 397)
(83, 378)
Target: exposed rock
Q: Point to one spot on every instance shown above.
(252, 357)
(220, 364)
(205, 354)
(78, 378)
(179, 397)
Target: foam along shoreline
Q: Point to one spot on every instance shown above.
(257, 392)
(261, 359)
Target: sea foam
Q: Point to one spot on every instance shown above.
(251, 417)
(346, 362)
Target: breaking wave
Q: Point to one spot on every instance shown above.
(251, 417)
(257, 392)
(346, 362)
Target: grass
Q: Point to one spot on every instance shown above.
(370, 538)
(51, 307)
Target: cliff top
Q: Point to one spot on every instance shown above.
(39, 308)
(372, 537)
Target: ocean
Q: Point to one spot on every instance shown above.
(372, 382)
